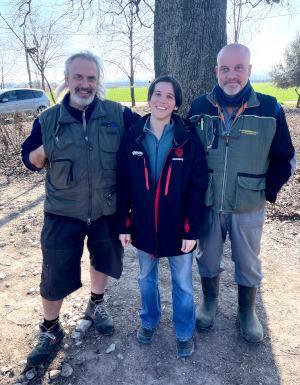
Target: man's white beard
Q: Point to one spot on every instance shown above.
(232, 91)
(82, 102)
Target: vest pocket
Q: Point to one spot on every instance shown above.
(250, 192)
(109, 141)
(209, 196)
(61, 173)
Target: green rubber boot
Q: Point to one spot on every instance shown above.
(250, 327)
(206, 315)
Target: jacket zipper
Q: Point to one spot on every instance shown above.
(157, 192)
(88, 171)
(225, 171)
(221, 114)
(156, 152)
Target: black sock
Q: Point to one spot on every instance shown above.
(96, 298)
(48, 324)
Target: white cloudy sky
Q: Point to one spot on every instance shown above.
(274, 34)
(267, 41)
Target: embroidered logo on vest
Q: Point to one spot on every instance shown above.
(248, 132)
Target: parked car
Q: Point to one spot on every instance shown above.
(28, 100)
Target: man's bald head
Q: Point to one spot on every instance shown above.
(233, 68)
(233, 48)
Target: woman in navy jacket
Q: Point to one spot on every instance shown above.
(161, 182)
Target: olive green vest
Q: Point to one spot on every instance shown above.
(237, 161)
(81, 173)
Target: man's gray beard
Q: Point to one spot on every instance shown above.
(83, 102)
(231, 91)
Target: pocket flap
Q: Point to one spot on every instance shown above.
(61, 173)
(109, 139)
(252, 183)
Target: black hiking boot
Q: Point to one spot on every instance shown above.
(185, 348)
(49, 342)
(98, 314)
(250, 326)
(145, 336)
(206, 314)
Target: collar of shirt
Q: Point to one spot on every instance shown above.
(167, 128)
(229, 117)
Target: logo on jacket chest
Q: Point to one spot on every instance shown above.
(179, 154)
(137, 153)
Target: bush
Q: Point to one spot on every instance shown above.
(14, 129)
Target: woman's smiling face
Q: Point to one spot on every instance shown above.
(162, 102)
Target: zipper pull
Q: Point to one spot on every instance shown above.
(88, 221)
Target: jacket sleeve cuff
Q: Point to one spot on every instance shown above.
(271, 196)
(125, 225)
(189, 232)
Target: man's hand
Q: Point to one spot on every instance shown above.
(38, 157)
(188, 245)
(125, 239)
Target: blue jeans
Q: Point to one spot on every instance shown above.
(182, 293)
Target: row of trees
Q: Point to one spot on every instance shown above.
(186, 34)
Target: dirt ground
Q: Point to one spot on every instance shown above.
(221, 356)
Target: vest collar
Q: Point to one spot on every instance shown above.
(70, 114)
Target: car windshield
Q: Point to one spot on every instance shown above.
(3, 90)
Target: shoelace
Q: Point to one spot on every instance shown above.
(101, 310)
(44, 336)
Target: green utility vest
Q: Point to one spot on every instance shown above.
(81, 173)
(237, 161)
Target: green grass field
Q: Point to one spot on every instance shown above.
(122, 94)
(283, 95)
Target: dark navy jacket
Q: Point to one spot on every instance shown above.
(159, 216)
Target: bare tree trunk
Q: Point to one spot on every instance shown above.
(132, 92)
(50, 90)
(2, 78)
(187, 37)
(27, 59)
(297, 89)
(131, 77)
(42, 70)
(237, 19)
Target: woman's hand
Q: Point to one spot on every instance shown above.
(125, 239)
(188, 245)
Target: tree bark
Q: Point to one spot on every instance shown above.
(187, 37)
(297, 89)
(2, 86)
(27, 59)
